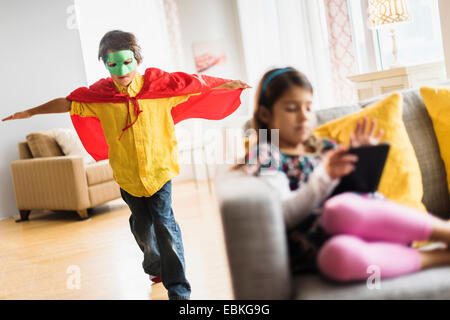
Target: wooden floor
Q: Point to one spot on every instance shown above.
(56, 256)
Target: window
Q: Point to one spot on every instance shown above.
(418, 42)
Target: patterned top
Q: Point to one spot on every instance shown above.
(298, 168)
(305, 239)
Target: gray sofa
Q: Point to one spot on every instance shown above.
(256, 241)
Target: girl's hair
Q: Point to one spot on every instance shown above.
(272, 86)
(119, 40)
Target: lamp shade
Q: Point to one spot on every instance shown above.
(384, 12)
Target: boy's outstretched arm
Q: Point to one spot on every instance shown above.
(58, 105)
(234, 84)
(180, 83)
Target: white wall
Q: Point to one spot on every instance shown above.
(217, 20)
(41, 60)
(206, 20)
(212, 20)
(148, 24)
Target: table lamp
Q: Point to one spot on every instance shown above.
(388, 13)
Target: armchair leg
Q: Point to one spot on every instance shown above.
(83, 214)
(24, 215)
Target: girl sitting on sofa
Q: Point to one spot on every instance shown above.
(345, 235)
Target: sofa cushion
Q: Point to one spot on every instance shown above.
(420, 130)
(437, 102)
(421, 134)
(71, 145)
(326, 115)
(427, 284)
(401, 180)
(43, 145)
(24, 150)
(99, 172)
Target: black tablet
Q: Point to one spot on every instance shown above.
(369, 168)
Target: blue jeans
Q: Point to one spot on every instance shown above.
(159, 236)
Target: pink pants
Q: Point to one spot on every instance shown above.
(370, 233)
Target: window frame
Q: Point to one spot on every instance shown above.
(373, 55)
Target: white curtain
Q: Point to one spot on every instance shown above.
(287, 33)
(145, 18)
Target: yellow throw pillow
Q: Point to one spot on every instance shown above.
(437, 101)
(401, 180)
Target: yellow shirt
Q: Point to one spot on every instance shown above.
(146, 156)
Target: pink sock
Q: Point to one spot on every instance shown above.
(346, 258)
(374, 219)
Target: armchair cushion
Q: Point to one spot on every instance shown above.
(99, 172)
(42, 145)
(71, 145)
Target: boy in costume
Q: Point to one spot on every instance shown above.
(129, 119)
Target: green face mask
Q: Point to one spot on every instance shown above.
(118, 65)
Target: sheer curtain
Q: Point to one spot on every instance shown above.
(342, 50)
(287, 33)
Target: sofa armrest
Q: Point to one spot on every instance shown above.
(50, 183)
(255, 238)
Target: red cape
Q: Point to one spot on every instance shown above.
(210, 104)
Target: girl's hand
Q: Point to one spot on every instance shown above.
(18, 115)
(363, 138)
(338, 163)
(231, 85)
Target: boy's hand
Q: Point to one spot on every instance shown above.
(231, 85)
(18, 115)
(363, 138)
(338, 163)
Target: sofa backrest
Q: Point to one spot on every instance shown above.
(420, 130)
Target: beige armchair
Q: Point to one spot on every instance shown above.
(59, 182)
